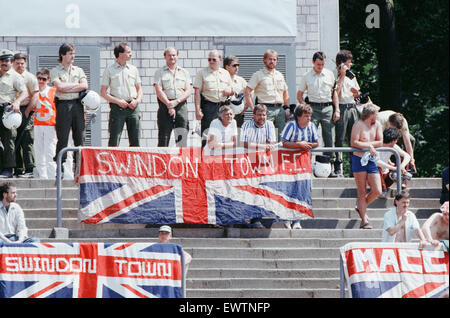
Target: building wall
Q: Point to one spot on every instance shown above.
(193, 53)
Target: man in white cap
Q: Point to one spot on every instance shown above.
(165, 235)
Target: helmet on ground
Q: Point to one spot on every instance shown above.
(11, 119)
(91, 101)
(321, 166)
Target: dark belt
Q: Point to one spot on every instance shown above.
(349, 105)
(273, 105)
(65, 100)
(321, 104)
(227, 102)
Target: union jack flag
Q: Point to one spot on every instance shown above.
(395, 270)
(90, 270)
(179, 185)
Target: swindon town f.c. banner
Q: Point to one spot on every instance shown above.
(181, 185)
(395, 270)
(91, 270)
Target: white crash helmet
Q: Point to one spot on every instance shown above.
(237, 109)
(321, 166)
(11, 119)
(91, 101)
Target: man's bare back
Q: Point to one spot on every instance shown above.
(439, 227)
(435, 228)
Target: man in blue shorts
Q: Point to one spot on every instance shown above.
(366, 134)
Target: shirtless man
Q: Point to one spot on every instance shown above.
(435, 228)
(366, 134)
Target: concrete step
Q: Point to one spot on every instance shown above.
(41, 183)
(263, 293)
(263, 283)
(123, 231)
(265, 253)
(316, 223)
(318, 193)
(215, 243)
(273, 274)
(27, 203)
(47, 193)
(350, 213)
(378, 203)
(319, 213)
(224, 263)
(350, 183)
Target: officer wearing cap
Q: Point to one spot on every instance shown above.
(173, 87)
(69, 81)
(124, 96)
(25, 136)
(213, 87)
(12, 93)
(270, 89)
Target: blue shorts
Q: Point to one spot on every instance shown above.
(371, 166)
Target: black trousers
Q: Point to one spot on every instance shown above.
(69, 115)
(166, 124)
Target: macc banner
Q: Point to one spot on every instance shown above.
(179, 185)
(91, 270)
(395, 270)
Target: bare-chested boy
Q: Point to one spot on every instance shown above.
(435, 228)
(366, 134)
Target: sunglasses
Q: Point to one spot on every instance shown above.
(235, 65)
(212, 59)
(42, 79)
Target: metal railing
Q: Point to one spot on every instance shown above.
(331, 149)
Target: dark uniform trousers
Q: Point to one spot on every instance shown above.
(167, 123)
(343, 127)
(69, 114)
(210, 112)
(7, 137)
(24, 143)
(118, 117)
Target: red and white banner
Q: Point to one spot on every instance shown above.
(395, 270)
(91, 270)
(180, 185)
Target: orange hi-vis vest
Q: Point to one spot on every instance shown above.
(45, 113)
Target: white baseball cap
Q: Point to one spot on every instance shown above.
(165, 228)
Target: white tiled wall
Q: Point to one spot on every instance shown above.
(148, 57)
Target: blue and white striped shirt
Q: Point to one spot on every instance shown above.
(250, 132)
(293, 132)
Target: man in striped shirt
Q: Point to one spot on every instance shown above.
(300, 134)
(259, 134)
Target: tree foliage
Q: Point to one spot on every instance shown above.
(421, 35)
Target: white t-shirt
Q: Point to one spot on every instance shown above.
(221, 134)
(390, 219)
